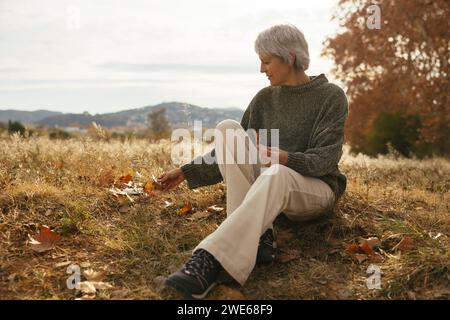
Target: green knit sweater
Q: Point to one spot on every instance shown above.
(310, 119)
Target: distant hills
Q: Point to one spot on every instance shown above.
(179, 115)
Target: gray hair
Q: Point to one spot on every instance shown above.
(284, 40)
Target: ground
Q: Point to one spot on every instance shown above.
(65, 185)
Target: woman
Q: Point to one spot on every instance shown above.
(310, 114)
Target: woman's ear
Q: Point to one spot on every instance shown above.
(294, 59)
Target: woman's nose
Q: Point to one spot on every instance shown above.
(262, 69)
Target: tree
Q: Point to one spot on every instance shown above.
(159, 126)
(16, 127)
(401, 67)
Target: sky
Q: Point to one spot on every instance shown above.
(106, 56)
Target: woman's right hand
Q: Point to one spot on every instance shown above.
(171, 179)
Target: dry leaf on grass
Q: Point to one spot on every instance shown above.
(360, 257)
(215, 209)
(407, 243)
(167, 204)
(186, 209)
(125, 179)
(152, 185)
(120, 196)
(199, 215)
(45, 240)
(62, 264)
(92, 275)
(92, 286)
(373, 242)
(366, 246)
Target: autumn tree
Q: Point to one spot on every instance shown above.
(400, 66)
(159, 126)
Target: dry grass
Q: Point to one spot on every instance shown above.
(64, 185)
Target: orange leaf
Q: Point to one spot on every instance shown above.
(187, 209)
(44, 240)
(125, 179)
(366, 248)
(360, 257)
(152, 185)
(352, 248)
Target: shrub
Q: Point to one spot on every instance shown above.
(16, 127)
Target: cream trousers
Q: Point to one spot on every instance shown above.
(256, 195)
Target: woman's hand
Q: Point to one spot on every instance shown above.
(266, 155)
(171, 179)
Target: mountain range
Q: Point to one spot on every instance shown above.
(178, 114)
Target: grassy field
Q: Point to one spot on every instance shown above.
(129, 245)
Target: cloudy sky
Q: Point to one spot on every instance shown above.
(110, 55)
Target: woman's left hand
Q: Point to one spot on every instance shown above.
(270, 155)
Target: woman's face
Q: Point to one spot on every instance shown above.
(275, 69)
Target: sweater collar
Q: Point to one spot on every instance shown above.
(314, 82)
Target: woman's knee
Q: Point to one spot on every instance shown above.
(276, 170)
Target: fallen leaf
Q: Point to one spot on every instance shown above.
(407, 243)
(120, 196)
(125, 179)
(99, 285)
(133, 191)
(152, 185)
(373, 242)
(366, 248)
(360, 257)
(62, 264)
(187, 209)
(352, 248)
(45, 240)
(215, 209)
(87, 287)
(199, 215)
(167, 204)
(92, 275)
(93, 286)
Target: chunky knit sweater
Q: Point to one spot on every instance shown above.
(310, 118)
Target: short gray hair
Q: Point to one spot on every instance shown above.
(284, 40)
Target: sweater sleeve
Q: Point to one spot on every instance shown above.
(204, 173)
(325, 152)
